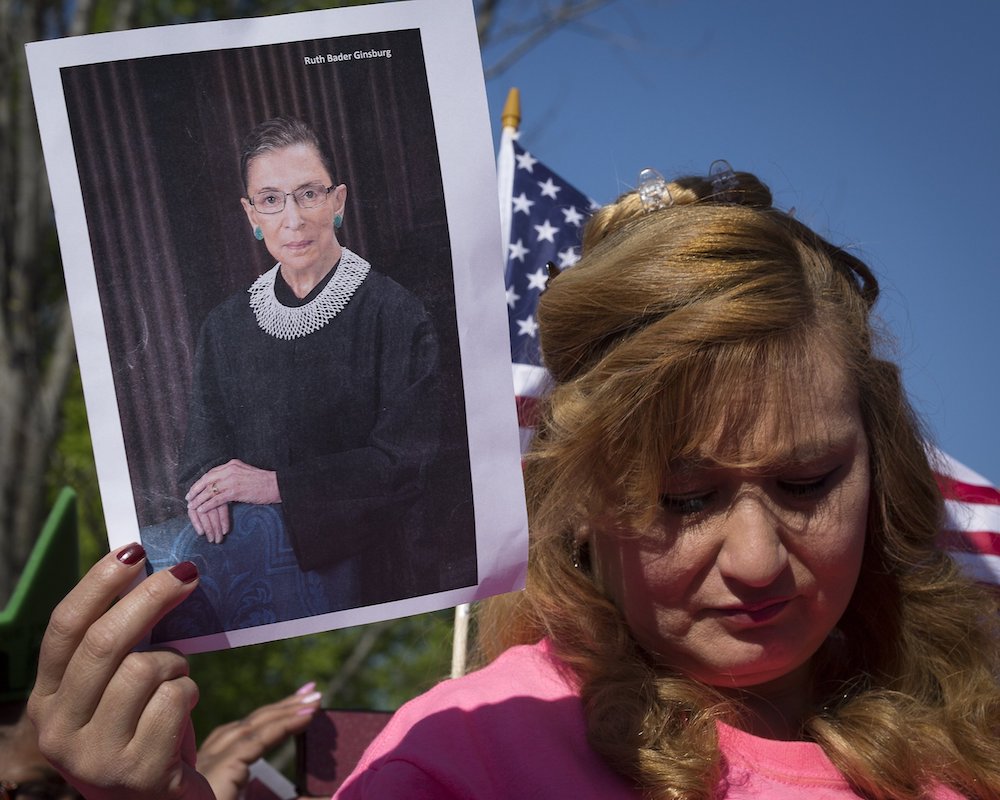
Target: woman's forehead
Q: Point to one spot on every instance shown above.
(291, 160)
(795, 415)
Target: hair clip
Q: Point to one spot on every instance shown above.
(723, 181)
(653, 190)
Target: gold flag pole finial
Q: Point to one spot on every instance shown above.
(511, 117)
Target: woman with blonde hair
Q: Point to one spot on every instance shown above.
(734, 589)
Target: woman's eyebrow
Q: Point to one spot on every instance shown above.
(802, 453)
(683, 468)
(315, 182)
(822, 448)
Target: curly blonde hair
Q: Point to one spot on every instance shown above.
(646, 339)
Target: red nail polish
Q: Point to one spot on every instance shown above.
(132, 554)
(185, 572)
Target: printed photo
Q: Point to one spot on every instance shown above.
(275, 272)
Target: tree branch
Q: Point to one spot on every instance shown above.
(533, 32)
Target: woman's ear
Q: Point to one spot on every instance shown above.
(339, 198)
(251, 212)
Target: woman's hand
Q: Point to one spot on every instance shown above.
(117, 723)
(226, 755)
(214, 524)
(232, 482)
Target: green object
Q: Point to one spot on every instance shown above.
(52, 570)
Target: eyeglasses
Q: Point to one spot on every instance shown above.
(311, 195)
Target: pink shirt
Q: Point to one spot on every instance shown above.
(516, 730)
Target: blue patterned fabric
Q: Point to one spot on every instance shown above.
(251, 578)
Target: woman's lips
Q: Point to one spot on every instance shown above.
(297, 245)
(754, 613)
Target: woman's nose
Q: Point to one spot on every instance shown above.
(292, 214)
(753, 551)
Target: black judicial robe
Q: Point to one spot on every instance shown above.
(348, 416)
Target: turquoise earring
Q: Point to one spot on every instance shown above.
(338, 220)
(258, 234)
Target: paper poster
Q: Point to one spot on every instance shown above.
(282, 252)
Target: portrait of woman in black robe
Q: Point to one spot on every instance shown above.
(314, 414)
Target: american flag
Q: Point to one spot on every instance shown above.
(542, 217)
(971, 527)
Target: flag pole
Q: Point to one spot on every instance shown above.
(511, 116)
(460, 640)
(510, 120)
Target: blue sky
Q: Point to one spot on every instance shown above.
(877, 121)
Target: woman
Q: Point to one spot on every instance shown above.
(315, 389)
(734, 589)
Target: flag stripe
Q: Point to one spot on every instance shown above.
(527, 411)
(944, 464)
(530, 380)
(985, 569)
(971, 517)
(526, 435)
(985, 542)
(970, 493)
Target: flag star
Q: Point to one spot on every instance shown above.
(522, 203)
(546, 232)
(512, 296)
(549, 189)
(538, 279)
(573, 217)
(526, 161)
(568, 257)
(528, 327)
(518, 250)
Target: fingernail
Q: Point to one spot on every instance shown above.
(131, 554)
(303, 711)
(311, 698)
(306, 688)
(185, 572)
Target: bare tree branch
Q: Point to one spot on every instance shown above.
(485, 18)
(529, 33)
(354, 662)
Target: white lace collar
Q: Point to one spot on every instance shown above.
(293, 322)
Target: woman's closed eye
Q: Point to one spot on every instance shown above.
(686, 502)
(796, 489)
(812, 487)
